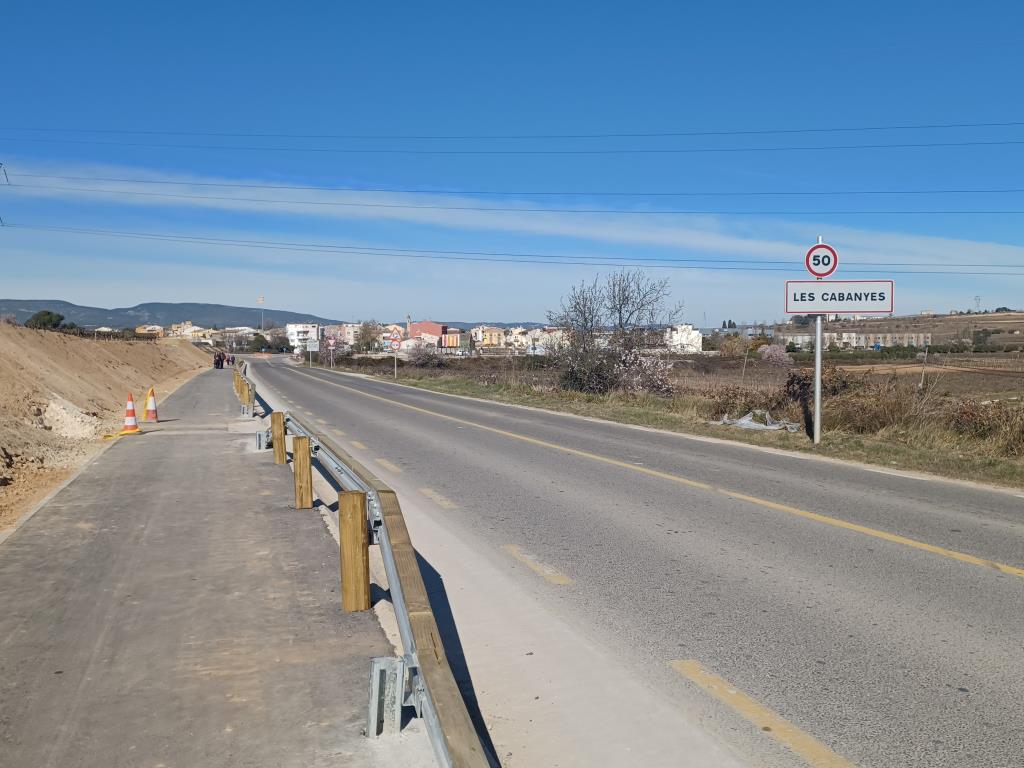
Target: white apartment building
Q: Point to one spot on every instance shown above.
(299, 333)
(684, 339)
(854, 340)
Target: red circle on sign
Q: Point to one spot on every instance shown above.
(831, 252)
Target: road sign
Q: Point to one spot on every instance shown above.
(839, 297)
(821, 260)
(313, 345)
(331, 343)
(395, 346)
(395, 335)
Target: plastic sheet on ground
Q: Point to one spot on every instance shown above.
(758, 420)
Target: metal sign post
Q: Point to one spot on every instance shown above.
(820, 297)
(817, 350)
(396, 344)
(312, 345)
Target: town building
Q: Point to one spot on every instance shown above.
(684, 339)
(425, 326)
(151, 330)
(299, 333)
(456, 342)
(418, 342)
(488, 337)
(804, 339)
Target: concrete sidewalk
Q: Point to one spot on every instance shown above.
(169, 608)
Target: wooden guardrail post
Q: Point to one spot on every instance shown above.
(303, 466)
(251, 399)
(354, 542)
(277, 437)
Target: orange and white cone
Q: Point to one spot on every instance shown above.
(131, 424)
(150, 414)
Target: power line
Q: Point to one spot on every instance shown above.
(545, 152)
(500, 209)
(484, 136)
(526, 193)
(485, 256)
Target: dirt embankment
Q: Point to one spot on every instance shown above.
(59, 394)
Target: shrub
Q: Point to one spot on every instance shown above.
(733, 346)
(425, 357)
(873, 407)
(639, 373)
(800, 384)
(732, 400)
(45, 319)
(775, 354)
(591, 372)
(1000, 424)
(972, 419)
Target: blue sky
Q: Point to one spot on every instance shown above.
(476, 69)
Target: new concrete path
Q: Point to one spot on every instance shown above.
(169, 608)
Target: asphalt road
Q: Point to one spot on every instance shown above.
(879, 615)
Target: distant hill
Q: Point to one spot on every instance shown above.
(155, 313)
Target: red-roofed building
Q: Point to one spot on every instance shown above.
(425, 326)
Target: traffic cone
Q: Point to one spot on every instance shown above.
(150, 413)
(131, 424)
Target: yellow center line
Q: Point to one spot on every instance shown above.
(771, 724)
(357, 444)
(543, 570)
(442, 501)
(389, 466)
(339, 433)
(815, 516)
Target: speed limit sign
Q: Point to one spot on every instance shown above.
(821, 260)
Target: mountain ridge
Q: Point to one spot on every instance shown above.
(156, 313)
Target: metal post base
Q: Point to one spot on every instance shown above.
(387, 693)
(264, 440)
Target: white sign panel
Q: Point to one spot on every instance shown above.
(839, 297)
(313, 345)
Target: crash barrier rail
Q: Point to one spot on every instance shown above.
(369, 512)
(245, 390)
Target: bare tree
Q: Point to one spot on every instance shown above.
(589, 366)
(581, 315)
(635, 304)
(604, 321)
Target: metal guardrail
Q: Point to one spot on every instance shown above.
(423, 668)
